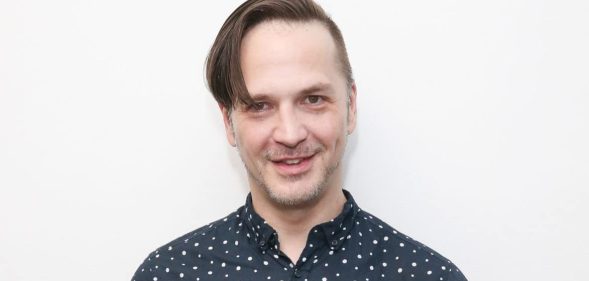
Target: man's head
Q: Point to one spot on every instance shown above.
(280, 73)
(223, 66)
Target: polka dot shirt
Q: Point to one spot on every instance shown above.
(353, 246)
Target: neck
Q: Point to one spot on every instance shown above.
(294, 223)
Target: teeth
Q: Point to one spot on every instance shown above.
(292, 161)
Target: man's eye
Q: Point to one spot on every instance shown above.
(258, 106)
(313, 99)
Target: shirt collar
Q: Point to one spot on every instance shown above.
(256, 226)
(339, 228)
(335, 230)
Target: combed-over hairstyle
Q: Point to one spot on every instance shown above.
(223, 68)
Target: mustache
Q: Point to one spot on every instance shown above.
(296, 152)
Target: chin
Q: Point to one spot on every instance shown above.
(296, 191)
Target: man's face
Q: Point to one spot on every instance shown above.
(292, 138)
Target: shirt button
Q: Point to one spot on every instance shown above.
(262, 244)
(333, 242)
(297, 273)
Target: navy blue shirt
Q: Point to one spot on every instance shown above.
(242, 246)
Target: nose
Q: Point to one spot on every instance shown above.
(290, 130)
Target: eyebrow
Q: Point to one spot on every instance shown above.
(319, 87)
(315, 88)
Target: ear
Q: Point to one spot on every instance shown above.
(352, 109)
(228, 125)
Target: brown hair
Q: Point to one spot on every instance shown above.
(223, 68)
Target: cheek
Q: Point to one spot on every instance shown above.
(329, 129)
(252, 137)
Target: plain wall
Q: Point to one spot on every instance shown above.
(472, 138)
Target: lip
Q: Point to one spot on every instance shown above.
(295, 169)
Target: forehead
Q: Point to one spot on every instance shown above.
(279, 56)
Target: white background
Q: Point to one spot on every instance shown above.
(473, 132)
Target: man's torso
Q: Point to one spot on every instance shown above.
(353, 246)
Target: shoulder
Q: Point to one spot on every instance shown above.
(409, 256)
(174, 255)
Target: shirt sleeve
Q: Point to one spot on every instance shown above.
(146, 271)
(456, 275)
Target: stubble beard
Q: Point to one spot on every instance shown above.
(292, 198)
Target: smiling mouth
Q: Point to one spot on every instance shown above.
(292, 160)
(293, 166)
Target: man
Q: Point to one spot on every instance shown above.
(281, 76)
